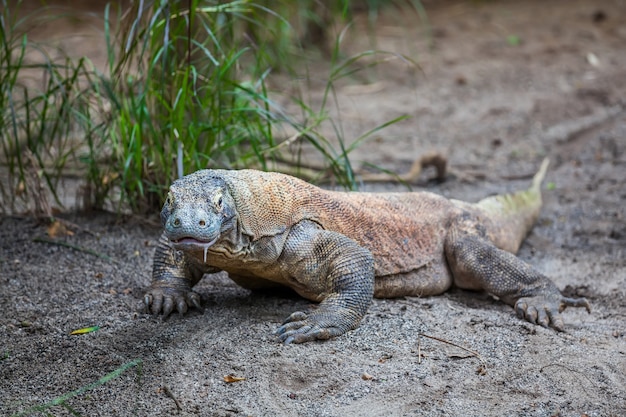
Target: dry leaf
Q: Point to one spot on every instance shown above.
(21, 187)
(109, 178)
(230, 378)
(366, 377)
(384, 358)
(593, 60)
(57, 229)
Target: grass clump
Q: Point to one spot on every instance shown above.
(43, 102)
(181, 99)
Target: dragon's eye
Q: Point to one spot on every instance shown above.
(217, 200)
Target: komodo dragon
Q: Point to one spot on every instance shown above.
(343, 248)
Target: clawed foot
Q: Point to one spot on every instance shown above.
(319, 325)
(164, 300)
(545, 310)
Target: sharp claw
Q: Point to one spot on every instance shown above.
(321, 334)
(290, 331)
(283, 335)
(294, 317)
(289, 327)
(520, 309)
(558, 324)
(168, 307)
(552, 317)
(157, 303)
(295, 336)
(543, 320)
(147, 300)
(181, 306)
(295, 321)
(531, 314)
(195, 301)
(575, 302)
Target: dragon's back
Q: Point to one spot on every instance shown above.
(404, 231)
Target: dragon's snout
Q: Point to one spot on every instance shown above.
(197, 224)
(178, 222)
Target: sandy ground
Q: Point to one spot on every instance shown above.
(495, 109)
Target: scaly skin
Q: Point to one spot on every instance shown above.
(341, 248)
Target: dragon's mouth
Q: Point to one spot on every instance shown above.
(187, 243)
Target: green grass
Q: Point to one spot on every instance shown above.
(37, 101)
(186, 88)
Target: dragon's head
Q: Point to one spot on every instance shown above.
(197, 210)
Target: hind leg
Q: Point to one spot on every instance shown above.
(477, 264)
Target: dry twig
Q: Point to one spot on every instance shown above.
(169, 393)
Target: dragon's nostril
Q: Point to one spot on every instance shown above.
(201, 222)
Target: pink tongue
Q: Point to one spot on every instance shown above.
(190, 240)
(205, 245)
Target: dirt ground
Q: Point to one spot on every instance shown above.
(502, 84)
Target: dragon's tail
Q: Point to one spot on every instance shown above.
(513, 215)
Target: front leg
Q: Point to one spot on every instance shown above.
(477, 264)
(173, 276)
(332, 268)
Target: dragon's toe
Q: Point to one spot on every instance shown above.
(545, 310)
(165, 300)
(300, 327)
